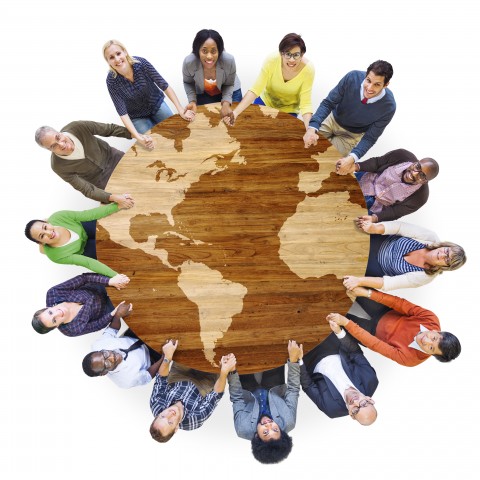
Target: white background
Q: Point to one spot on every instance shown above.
(57, 423)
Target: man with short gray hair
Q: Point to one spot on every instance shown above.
(85, 161)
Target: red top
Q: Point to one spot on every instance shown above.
(397, 329)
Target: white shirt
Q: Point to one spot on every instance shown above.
(130, 372)
(414, 344)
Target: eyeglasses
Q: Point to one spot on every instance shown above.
(363, 403)
(107, 363)
(289, 55)
(417, 167)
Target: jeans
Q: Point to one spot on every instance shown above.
(144, 124)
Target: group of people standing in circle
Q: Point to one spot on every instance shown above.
(335, 375)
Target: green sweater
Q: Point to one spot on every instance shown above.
(72, 253)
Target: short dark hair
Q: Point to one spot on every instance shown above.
(158, 435)
(450, 347)
(381, 68)
(87, 365)
(28, 229)
(291, 40)
(273, 451)
(37, 324)
(202, 36)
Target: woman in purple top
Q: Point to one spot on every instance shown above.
(138, 92)
(79, 305)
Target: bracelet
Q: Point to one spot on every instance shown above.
(369, 293)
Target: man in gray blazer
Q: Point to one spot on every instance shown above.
(264, 411)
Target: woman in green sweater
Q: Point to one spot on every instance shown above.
(63, 237)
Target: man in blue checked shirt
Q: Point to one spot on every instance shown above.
(180, 405)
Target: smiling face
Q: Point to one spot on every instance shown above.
(360, 407)
(168, 420)
(373, 85)
(292, 58)
(45, 233)
(440, 257)
(116, 57)
(268, 430)
(105, 361)
(208, 54)
(52, 317)
(428, 341)
(58, 143)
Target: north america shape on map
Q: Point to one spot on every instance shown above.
(238, 236)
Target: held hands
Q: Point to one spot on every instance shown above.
(169, 348)
(337, 319)
(228, 363)
(310, 138)
(230, 118)
(122, 310)
(124, 201)
(366, 224)
(146, 141)
(350, 282)
(119, 281)
(345, 165)
(191, 107)
(335, 327)
(295, 351)
(188, 114)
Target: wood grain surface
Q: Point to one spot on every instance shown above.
(238, 240)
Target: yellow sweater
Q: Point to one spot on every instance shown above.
(291, 97)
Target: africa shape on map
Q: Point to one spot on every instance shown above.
(238, 236)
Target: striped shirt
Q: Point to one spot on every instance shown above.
(140, 98)
(86, 289)
(196, 409)
(392, 251)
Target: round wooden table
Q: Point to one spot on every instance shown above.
(238, 240)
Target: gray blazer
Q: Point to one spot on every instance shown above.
(282, 399)
(193, 78)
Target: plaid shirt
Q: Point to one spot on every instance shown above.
(95, 312)
(196, 409)
(140, 98)
(387, 187)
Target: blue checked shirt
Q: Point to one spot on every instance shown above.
(196, 409)
(140, 98)
(95, 313)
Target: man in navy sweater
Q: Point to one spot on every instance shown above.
(355, 113)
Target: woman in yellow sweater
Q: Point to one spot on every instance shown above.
(285, 82)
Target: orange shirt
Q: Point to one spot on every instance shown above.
(210, 87)
(396, 330)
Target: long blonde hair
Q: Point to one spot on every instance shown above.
(130, 59)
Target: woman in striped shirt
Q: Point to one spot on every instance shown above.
(409, 256)
(138, 92)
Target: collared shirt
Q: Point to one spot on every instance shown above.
(261, 394)
(387, 187)
(373, 99)
(131, 372)
(140, 98)
(196, 409)
(95, 313)
(414, 344)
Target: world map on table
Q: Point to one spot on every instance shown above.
(238, 240)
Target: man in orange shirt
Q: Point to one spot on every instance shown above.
(403, 332)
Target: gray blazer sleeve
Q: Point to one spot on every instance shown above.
(191, 65)
(293, 388)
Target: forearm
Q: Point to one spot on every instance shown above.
(246, 101)
(371, 282)
(306, 119)
(130, 126)
(219, 386)
(154, 367)
(169, 92)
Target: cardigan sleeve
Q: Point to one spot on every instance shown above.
(404, 307)
(94, 213)
(86, 262)
(410, 230)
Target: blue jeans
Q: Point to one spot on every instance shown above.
(259, 101)
(144, 124)
(204, 98)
